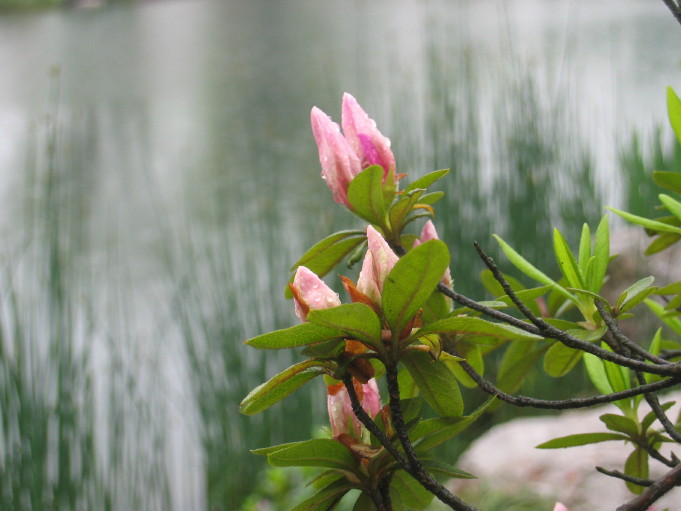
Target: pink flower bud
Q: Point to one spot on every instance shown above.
(310, 292)
(341, 416)
(378, 261)
(560, 507)
(340, 163)
(429, 233)
(368, 143)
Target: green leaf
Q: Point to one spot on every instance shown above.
(674, 112)
(559, 360)
(402, 207)
(364, 503)
(662, 242)
(671, 289)
(431, 198)
(672, 205)
(597, 375)
(295, 336)
(436, 383)
(668, 179)
(672, 322)
(263, 451)
(620, 424)
(636, 466)
(635, 294)
(518, 360)
(584, 248)
(473, 356)
(580, 439)
(602, 256)
(437, 306)
(528, 269)
(327, 253)
(280, 386)
(412, 280)
(430, 433)
(566, 261)
(654, 225)
(618, 376)
(365, 195)
(319, 452)
(651, 417)
(355, 320)
(409, 491)
(476, 326)
(447, 470)
(326, 498)
(427, 180)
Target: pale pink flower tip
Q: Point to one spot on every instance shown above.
(560, 507)
(378, 262)
(311, 292)
(372, 147)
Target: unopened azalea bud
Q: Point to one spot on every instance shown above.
(367, 141)
(429, 233)
(340, 163)
(378, 262)
(311, 292)
(341, 417)
(560, 507)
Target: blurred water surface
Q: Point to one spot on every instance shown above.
(158, 178)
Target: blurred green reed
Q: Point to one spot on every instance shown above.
(70, 420)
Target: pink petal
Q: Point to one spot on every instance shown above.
(339, 161)
(378, 262)
(560, 507)
(313, 292)
(367, 141)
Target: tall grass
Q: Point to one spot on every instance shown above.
(70, 412)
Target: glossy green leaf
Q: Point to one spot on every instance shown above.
(671, 289)
(602, 256)
(280, 386)
(409, 491)
(518, 360)
(668, 179)
(671, 321)
(560, 360)
(597, 375)
(620, 423)
(364, 503)
(436, 383)
(473, 356)
(325, 255)
(674, 112)
(365, 195)
(431, 198)
(566, 261)
(618, 376)
(326, 498)
(319, 452)
(635, 294)
(671, 204)
(477, 326)
(528, 269)
(295, 336)
(653, 225)
(651, 417)
(662, 242)
(264, 451)
(355, 320)
(584, 248)
(437, 306)
(445, 469)
(412, 280)
(636, 465)
(402, 207)
(580, 439)
(430, 433)
(427, 180)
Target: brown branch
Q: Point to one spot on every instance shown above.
(654, 491)
(674, 8)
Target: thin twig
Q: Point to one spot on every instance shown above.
(654, 491)
(674, 8)
(418, 472)
(622, 339)
(371, 425)
(564, 404)
(625, 477)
